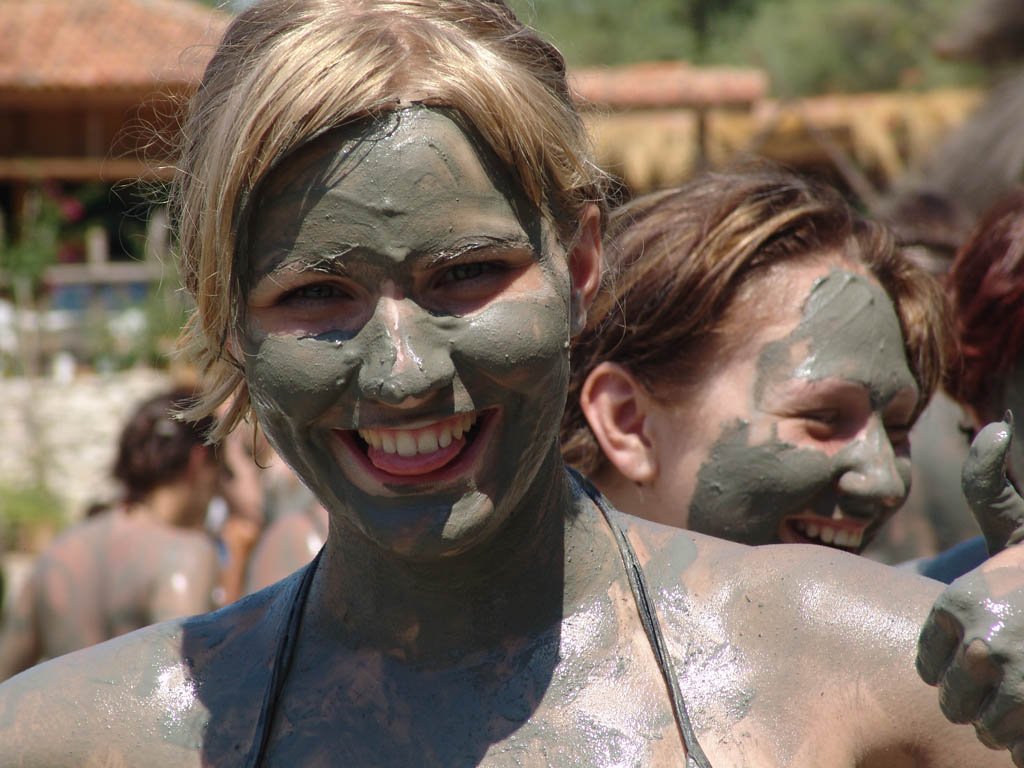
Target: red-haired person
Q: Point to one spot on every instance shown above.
(971, 643)
(986, 288)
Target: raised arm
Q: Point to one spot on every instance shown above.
(972, 645)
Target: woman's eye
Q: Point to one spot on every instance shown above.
(827, 418)
(316, 291)
(468, 271)
(822, 425)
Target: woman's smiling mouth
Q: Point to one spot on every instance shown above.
(417, 450)
(420, 451)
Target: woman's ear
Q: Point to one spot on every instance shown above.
(585, 263)
(617, 408)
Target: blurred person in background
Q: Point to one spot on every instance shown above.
(293, 524)
(289, 543)
(144, 560)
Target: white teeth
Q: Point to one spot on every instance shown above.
(839, 537)
(406, 444)
(425, 439)
(426, 442)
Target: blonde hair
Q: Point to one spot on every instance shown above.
(286, 72)
(680, 260)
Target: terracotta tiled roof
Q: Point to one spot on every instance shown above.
(668, 84)
(104, 44)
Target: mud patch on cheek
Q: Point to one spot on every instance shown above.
(516, 341)
(744, 489)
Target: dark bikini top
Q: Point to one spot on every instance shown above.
(695, 757)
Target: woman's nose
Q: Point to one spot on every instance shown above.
(404, 355)
(871, 470)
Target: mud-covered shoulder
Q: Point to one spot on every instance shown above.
(791, 576)
(154, 697)
(94, 705)
(797, 654)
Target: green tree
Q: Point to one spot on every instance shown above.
(806, 46)
(847, 45)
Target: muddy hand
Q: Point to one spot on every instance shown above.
(997, 506)
(972, 645)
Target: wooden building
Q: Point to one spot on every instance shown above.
(90, 92)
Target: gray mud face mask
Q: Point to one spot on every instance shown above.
(849, 331)
(394, 273)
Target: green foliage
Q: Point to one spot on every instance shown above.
(806, 46)
(849, 45)
(29, 505)
(28, 258)
(612, 31)
(166, 312)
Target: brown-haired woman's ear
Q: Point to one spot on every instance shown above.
(616, 407)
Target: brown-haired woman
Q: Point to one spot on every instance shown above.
(755, 367)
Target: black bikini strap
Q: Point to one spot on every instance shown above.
(695, 757)
(281, 664)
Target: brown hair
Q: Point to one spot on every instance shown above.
(986, 287)
(679, 259)
(286, 72)
(155, 446)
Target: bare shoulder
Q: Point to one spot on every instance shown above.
(808, 580)
(83, 706)
(186, 684)
(782, 647)
(180, 539)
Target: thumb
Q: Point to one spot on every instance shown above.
(996, 505)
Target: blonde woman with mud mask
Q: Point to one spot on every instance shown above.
(391, 224)
(755, 367)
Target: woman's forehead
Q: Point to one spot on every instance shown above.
(409, 182)
(409, 136)
(844, 327)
